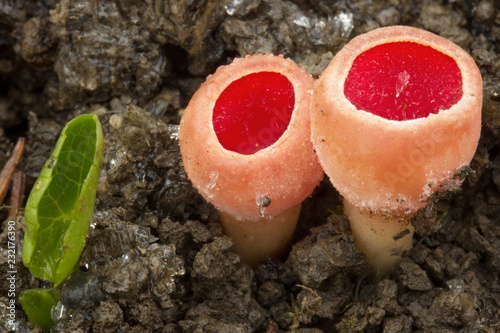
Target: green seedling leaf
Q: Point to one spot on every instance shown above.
(61, 204)
(37, 304)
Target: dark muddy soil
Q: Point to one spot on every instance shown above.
(156, 259)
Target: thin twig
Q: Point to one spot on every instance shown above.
(17, 192)
(10, 166)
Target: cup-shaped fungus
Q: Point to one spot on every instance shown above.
(245, 144)
(395, 114)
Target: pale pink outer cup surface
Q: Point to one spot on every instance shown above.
(385, 165)
(285, 172)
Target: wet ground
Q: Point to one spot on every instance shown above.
(155, 258)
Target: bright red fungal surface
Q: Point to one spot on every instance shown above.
(253, 112)
(403, 81)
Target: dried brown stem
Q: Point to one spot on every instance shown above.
(17, 192)
(9, 168)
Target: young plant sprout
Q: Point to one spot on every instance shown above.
(395, 114)
(245, 145)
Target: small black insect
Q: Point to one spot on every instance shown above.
(401, 234)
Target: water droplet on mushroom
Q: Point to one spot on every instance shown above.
(213, 179)
(402, 82)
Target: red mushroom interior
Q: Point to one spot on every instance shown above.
(403, 81)
(253, 112)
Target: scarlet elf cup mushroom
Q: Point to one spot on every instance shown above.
(245, 144)
(395, 114)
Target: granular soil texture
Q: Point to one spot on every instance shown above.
(156, 259)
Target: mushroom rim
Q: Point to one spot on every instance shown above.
(287, 170)
(273, 64)
(330, 108)
(341, 64)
